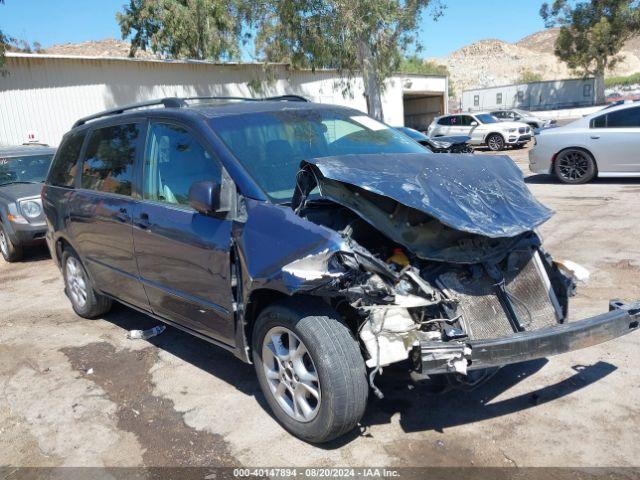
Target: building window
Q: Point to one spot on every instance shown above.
(476, 100)
(586, 90)
(498, 98)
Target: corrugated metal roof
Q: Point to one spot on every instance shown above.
(46, 56)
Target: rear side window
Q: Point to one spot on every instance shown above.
(175, 161)
(109, 159)
(466, 120)
(444, 121)
(627, 118)
(63, 170)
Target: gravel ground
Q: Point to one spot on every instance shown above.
(77, 392)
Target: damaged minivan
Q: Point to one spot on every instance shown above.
(314, 242)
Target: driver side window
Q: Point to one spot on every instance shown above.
(174, 161)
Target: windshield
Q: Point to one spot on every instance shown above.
(271, 145)
(32, 168)
(486, 118)
(415, 134)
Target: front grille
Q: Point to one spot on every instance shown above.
(528, 291)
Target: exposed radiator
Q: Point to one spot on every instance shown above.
(528, 291)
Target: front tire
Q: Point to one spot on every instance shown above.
(11, 252)
(310, 369)
(86, 302)
(574, 166)
(495, 142)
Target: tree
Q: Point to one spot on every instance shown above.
(528, 76)
(198, 29)
(3, 48)
(352, 36)
(592, 33)
(417, 65)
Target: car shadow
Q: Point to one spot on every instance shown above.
(420, 406)
(546, 179)
(35, 253)
(421, 410)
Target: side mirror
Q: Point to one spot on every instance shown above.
(204, 197)
(474, 124)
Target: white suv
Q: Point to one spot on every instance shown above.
(483, 128)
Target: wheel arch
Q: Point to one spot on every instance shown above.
(493, 132)
(262, 298)
(584, 149)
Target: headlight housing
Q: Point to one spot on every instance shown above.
(512, 130)
(30, 208)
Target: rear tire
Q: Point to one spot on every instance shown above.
(11, 252)
(330, 364)
(86, 302)
(495, 142)
(574, 166)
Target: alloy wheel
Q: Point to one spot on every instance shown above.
(4, 246)
(495, 143)
(291, 374)
(76, 282)
(573, 165)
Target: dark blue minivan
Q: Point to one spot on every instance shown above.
(313, 241)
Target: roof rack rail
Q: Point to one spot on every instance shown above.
(171, 102)
(284, 98)
(176, 102)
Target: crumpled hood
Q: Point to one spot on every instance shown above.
(481, 194)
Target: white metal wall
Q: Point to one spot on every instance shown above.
(46, 94)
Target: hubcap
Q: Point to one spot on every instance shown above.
(291, 374)
(573, 165)
(3, 244)
(76, 283)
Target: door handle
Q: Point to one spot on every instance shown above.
(143, 221)
(595, 137)
(122, 215)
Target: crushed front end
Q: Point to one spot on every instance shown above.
(441, 264)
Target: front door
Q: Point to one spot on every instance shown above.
(183, 256)
(100, 211)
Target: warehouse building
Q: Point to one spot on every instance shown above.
(547, 95)
(43, 95)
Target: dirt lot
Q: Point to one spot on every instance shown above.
(78, 392)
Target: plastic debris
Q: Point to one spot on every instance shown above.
(89, 371)
(146, 334)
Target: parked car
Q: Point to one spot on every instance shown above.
(22, 171)
(457, 144)
(603, 144)
(517, 115)
(483, 128)
(315, 242)
(617, 103)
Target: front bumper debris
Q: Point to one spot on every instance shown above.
(438, 357)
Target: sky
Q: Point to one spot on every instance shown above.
(464, 22)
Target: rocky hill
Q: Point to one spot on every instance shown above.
(109, 47)
(494, 62)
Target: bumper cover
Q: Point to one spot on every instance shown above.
(26, 233)
(438, 357)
